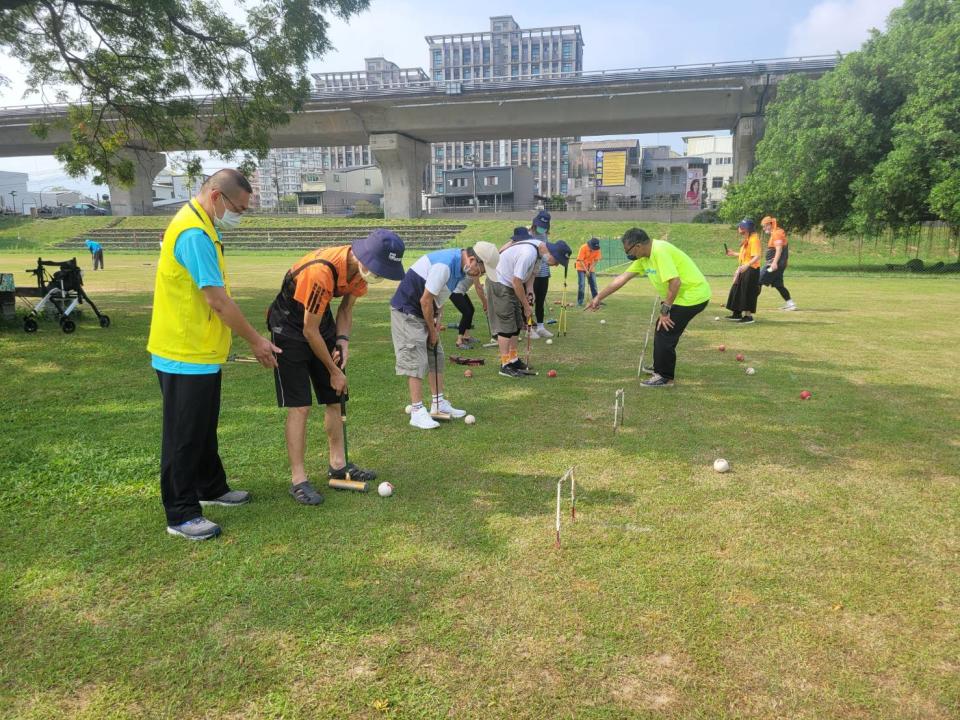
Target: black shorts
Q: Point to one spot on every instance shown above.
(298, 368)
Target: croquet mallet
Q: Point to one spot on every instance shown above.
(641, 368)
(346, 483)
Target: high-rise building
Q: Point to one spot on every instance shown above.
(279, 175)
(506, 52)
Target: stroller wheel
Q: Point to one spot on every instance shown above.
(68, 325)
(104, 321)
(30, 325)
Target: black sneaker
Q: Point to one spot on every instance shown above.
(736, 317)
(522, 367)
(356, 473)
(746, 319)
(510, 371)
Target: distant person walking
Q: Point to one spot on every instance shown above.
(96, 251)
(778, 253)
(190, 337)
(677, 280)
(742, 299)
(587, 258)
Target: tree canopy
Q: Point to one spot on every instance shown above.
(167, 73)
(874, 144)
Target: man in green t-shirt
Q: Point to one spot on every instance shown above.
(676, 279)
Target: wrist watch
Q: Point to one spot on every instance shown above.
(665, 309)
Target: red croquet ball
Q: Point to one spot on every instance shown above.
(468, 373)
(739, 357)
(805, 395)
(551, 373)
(721, 348)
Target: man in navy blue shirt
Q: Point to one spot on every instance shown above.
(415, 318)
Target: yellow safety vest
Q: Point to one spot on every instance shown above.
(183, 326)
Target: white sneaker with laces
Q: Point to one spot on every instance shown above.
(791, 305)
(421, 419)
(533, 334)
(446, 407)
(544, 333)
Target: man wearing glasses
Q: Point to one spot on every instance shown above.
(678, 280)
(190, 336)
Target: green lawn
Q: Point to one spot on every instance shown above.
(818, 579)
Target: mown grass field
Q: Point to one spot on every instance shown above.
(818, 579)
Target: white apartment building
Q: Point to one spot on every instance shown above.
(13, 191)
(506, 51)
(717, 154)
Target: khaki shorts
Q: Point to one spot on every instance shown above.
(506, 312)
(409, 334)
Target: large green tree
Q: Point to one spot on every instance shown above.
(167, 73)
(874, 144)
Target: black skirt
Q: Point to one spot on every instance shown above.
(744, 292)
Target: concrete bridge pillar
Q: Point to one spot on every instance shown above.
(746, 134)
(138, 198)
(401, 160)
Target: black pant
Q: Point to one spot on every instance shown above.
(190, 467)
(665, 341)
(98, 259)
(463, 303)
(775, 279)
(540, 285)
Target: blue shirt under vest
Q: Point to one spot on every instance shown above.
(439, 272)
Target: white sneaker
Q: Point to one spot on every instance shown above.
(544, 333)
(791, 305)
(446, 407)
(533, 334)
(421, 419)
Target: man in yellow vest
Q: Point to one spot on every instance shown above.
(190, 334)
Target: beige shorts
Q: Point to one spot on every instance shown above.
(409, 334)
(506, 312)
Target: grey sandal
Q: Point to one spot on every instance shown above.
(305, 494)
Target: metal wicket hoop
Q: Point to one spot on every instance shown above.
(568, 475)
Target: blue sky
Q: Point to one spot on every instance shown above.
(617, 34)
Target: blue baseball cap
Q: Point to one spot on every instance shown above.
(542, 219)
(521, 233)
(594, 244)
(381, 252)
(561, 252)
(746, 224)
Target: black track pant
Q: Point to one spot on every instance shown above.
(665, 341)
(462, 302)
(540, 286)
(190, 467)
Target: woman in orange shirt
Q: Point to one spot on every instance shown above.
(777, 255)
(587, 260)
(742, 300)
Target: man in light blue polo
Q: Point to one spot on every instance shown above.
(415, 317)
(96, 252)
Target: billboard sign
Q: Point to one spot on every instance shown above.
(694, 186)
(611, 168)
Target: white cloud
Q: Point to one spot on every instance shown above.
(838, 25)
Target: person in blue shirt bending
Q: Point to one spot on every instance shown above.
(415, 317)
(96, 251)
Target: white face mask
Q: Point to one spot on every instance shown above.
(370, 278)
(230, 218)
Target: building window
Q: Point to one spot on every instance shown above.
(336, 178)
(535, 69)
(460, 182)
(514, 53)
(437, 59)
(567, 50)
(366, 181)
(439, 152)
(491, 180)
(563, 187)
(717, 182)
(466, 56)
(486, 56)
(567, 67)
(514, 71)
(437, 75)
(535, 53)
(467, 74)
(438, 188)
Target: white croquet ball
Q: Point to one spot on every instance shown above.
(751, 371)
(721, 465)
(549, 341)
(603, 322)
(385, 489)
(469, 419)
(717, 317)
(408, 409)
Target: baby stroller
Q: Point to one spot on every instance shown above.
(61, 292)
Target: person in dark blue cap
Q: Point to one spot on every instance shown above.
(540, 229)
(507, 293)
(316, 346)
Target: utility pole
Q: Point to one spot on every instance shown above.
(13, 194)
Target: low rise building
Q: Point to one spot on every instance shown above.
(717, 154)
(337, 192)
(501, 188)
(13, 191)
